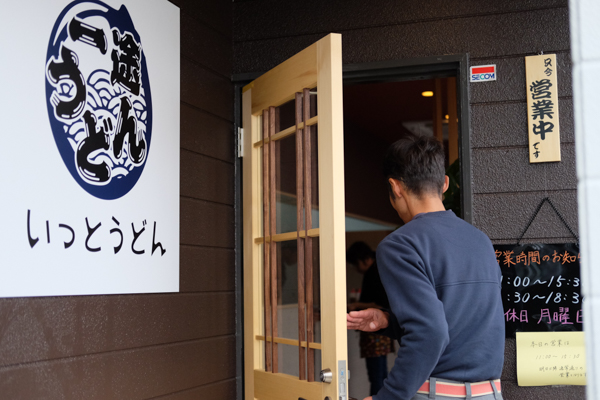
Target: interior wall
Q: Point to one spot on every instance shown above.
(172, 346)
(506, 188)
(365, 189)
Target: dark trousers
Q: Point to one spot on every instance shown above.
(377, 370)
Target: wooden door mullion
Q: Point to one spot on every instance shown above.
(267, 243)
(273, 229)
(300, 207)
(308, 248)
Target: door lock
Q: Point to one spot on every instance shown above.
(326, 375)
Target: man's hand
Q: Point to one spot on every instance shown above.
(369, 398)
(369, 320)
(361, 306)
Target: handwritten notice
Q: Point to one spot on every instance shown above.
(541, 287)
(550, 358)
(542, 106)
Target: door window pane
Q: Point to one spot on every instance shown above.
(285, 178)
(288, 359)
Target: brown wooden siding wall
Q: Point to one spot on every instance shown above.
(168, 346)
(506, 188)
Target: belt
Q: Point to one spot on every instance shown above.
(450, 389)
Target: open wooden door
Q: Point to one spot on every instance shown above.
(294, 229)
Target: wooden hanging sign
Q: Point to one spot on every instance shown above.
(542, 108)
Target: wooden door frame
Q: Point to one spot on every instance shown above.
(382, 71)
(320, 66)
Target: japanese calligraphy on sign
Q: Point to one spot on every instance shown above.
(541, 287)
(542, 108)
(550, 358)
(89, 161)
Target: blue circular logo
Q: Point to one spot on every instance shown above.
(98, 97)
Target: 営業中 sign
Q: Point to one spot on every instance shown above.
(89, 164)
(542, 108)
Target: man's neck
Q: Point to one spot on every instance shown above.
(425, 204)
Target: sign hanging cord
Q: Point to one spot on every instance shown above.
(539, 207)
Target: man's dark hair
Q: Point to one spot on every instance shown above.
(359, 251)
(417, 162)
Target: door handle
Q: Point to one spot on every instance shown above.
(326, 375)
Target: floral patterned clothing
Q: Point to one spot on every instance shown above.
(373, 345)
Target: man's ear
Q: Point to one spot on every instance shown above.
(396, 187)
(446, 183)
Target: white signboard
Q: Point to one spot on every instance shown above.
(89, 159)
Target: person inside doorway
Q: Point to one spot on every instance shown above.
(443, 283)
(373, 347)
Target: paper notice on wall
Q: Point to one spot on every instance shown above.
(550, 358)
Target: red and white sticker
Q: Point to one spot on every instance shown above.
(483, 73)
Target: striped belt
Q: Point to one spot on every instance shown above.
(459, 390)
